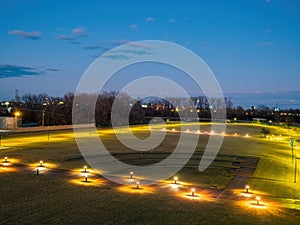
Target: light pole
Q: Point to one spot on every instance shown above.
(43, 118)
(17, 113)
(292, 145)
(296, 167)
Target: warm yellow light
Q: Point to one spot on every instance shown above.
(17, 113)
(131, 174)
(5, 159)
(85, 167)
(257, 200)
(193, 191)
(175, 180)
(247, 188)
(137, 185)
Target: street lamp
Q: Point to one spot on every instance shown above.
(17, 113)
(292, 143)
(296, 167)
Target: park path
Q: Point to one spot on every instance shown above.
(244, 171)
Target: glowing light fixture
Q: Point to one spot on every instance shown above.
(193, 191)
(175, 180)
(86, 177)
(257, 200)
(5, 159)
(85, 167)
(41, 163)
(137, 185)
(131, 174)
(247, 188)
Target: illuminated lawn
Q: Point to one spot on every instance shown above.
(46, 199)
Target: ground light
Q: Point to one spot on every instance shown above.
(41, 163)
(193, 191)
(84, 168)
(257, 200)
(137, 185)
(247, 188)
(86, 177)
(175, 180)
(131, 174)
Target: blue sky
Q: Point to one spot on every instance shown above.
(250, 45)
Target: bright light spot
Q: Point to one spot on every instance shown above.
(247, 188)
(134, 190)
(90, 182)
(193, 191)
(175, 180)
(257, 200)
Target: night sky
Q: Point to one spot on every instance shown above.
(250, 45)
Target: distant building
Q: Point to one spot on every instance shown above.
(8, 122)
(259, 120)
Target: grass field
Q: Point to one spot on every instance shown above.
(29, 199)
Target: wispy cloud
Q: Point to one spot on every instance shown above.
(132, 50)
(7, 71)
(105, 46)
(79, 32)
(72, 37)
(266, 43)
(133, 26)
(32, 35)
(149, 19)
(68, 39)
(52, 69)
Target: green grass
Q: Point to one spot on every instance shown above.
(30, 199)
(45, 199)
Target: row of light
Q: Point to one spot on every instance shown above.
(85, 171)
(212, 132)
(257, 198)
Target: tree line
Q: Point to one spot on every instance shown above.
(43, 109)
